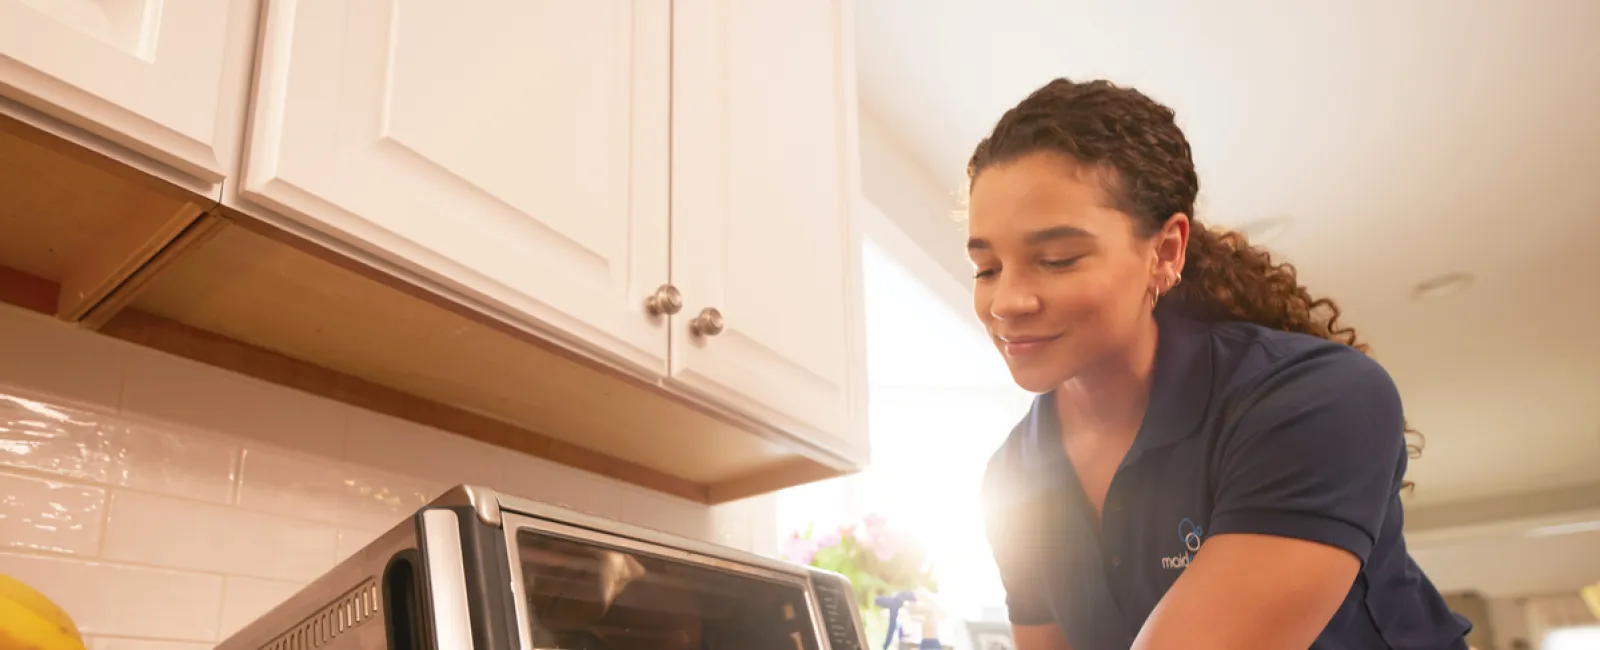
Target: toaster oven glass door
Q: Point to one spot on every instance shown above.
(583, 592)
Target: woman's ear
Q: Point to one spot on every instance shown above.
(1171, 242)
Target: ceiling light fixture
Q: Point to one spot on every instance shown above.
(1441, 286)
(1263, 231)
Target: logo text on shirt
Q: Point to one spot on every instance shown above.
(1191, 535)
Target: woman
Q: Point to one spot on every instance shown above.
(1192, 396)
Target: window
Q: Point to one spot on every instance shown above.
(941, 402)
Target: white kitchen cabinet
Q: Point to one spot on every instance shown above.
(764, 175)
(154, 76)
(514, 151)
(556, 166)
(559, 162)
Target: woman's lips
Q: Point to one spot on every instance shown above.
(1022, 346)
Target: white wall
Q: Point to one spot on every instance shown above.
(908, 193)
(165, 503)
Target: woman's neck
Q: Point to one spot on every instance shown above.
(1109, 399)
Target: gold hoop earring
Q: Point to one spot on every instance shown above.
(1155, 297)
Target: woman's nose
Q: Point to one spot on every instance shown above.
(1012, 300)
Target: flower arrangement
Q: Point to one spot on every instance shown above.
(877, 559)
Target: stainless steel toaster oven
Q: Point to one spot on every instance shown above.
(480, 570)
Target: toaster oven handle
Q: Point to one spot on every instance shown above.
(444, 579)
(465, 579)
(404, 624)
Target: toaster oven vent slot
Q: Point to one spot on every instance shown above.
(345, 613)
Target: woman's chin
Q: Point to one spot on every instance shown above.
(1035, 380)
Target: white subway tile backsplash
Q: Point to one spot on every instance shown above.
(169, 508)
(412, 449)
(116, 643)
(45, 355)
(541, 480)
(181, 534)
(49, 437)
(666, 513)
(730, 524)
(179, 390)
(352, 540)
(100, 447)
(170, 461)
(330, 491)
(763, 517)
(119, 600)
(246, 599)
(46, 515)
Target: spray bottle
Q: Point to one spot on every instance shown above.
(926, 610)
(921, 607)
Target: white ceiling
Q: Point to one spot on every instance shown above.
(1403, 139)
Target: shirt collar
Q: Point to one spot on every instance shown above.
(1181, 384)
(1180, 391)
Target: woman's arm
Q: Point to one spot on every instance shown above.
(1039, 637)
(1016, 553)
(1304, 482)
(1251, 591)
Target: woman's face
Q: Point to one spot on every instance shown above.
(1063, 279)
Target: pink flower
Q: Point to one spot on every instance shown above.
(874, 523)
(886, 544)
(799, 550)
(831, 538)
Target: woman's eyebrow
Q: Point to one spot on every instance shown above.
(1037, 237)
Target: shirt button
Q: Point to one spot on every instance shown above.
(1116, 561)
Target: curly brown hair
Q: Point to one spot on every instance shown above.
(1146, 163)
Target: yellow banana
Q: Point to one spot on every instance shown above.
(29, 621)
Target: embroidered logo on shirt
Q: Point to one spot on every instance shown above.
(1191, 535)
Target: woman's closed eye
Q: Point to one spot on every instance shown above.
(1060, 263)
(1054, 264)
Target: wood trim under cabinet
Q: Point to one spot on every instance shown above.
(735, 488)
(158, 333)
(792, 473)
(212, 349)
(99, 289)
(28, 292)
(143, 223)
(103, 286)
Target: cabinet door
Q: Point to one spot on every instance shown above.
(513, 151)
(764, 176)
(149, 75)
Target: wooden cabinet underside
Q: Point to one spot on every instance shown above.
(103, 246)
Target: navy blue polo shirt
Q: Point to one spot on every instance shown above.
(1248, 430)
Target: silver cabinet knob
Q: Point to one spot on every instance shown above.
(666, 301)
(708, 323)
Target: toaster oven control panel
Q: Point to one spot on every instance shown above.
(833, 599)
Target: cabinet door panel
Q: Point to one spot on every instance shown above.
(763, 181)
(149, 75)
(514, 150)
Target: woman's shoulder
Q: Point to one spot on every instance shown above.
(1261, 374)
(1248, 358)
